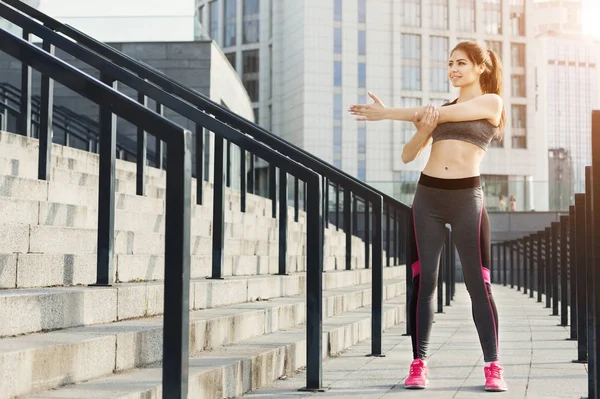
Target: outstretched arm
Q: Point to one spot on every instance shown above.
(487, 106)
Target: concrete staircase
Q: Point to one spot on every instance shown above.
(60, 338)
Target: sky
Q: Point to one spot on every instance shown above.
(591, 16)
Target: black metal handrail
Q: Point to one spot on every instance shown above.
(177, 230)
(145, 79)
(67, 121)
(565, 256)
(348, 183)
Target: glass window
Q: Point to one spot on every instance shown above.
(411, 62)
(213, 9)
(492, 17)
(518, 124)
(362, 74)
(337, 73)
(466, 15)
(362, 140)
(230, 23)
(251, 21)
(362, 169)
(337, 10)
(231, 58)
(337, 107)
(250, 73)
(411, 13)
(201, 15)
(362, 42)
(438, 73)
(362, 11)
(439, 14)
(517, 17)
(337, 40)
(495, 46)
(518, 85)
(518, 55)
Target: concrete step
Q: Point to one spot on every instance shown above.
(21, 147)
(236, 369)
(64, 307)
(79, 354)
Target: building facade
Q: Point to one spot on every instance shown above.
(567, 90)
(304, 62)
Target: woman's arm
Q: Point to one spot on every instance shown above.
(422, 137)
(487, 106)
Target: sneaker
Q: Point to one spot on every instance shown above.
(494, 378)
(417, 377)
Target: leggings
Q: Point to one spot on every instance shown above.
(458, 202)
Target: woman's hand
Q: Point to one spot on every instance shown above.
(369, 112)
(428, 121)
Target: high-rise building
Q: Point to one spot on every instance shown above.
(563, 16)
(567, 90)
(567, 85)
(305, 61)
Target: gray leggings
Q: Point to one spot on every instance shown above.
(458, 202)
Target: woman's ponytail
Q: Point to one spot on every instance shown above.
(491, 82)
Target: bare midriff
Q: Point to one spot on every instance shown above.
(454, 159)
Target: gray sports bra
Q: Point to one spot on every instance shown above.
(479, 132)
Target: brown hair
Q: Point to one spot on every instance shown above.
(491, 78)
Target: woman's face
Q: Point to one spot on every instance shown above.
(461, 71)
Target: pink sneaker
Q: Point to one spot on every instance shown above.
(417, 377)
(494, 378)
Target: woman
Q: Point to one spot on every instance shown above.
(449, 191)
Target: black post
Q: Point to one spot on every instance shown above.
(573, 271)
(596, 254)
(512, 263)
(200, 172)
(325, 202)
(273, 189)
(388, 234)
(581, 269)
(218, 239)
(355, 214)
(251, 185)
(505, 262)
(453, 267)
(243, 178)
(564, 231)
(176, 322)
(532, 238)
(519, 263)
(398, 239)
(158, 144)
(314, 286)
(45, 127)
(367, 234)
(283, 222)
(377, 277)
(228, 164)
(348, 229)
(106, 192)
(548, 267)
(448, 274)
(591, 300)
(541, 236)
(555, 226)
(25, 117)
(337, 207)
(142, 155)
(526, 256)
(296, 200)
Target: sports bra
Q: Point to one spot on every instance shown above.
(479, 132)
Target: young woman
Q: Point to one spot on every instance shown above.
(449, 191)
